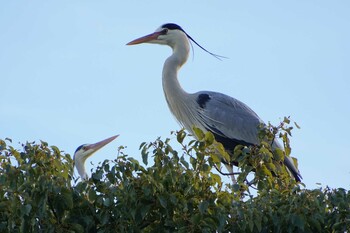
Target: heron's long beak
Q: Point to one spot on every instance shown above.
(95, 147)
(145, 39)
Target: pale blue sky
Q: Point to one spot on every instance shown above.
(67, 77)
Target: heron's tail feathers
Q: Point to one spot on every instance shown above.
(288, 161)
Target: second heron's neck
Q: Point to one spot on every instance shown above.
(81, 169)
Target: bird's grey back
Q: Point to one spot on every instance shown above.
(228, 116)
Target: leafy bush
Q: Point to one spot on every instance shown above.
(179, 192)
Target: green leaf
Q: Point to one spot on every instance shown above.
(198, 133)
(203, 206)
(144, 210)
(144, 154)
(270, 166)
(215, 177)
(8, 139)
(107, 202)
(236, 187)
(251, 225)
(180, 136)
(258, 224)
(216, 158)
(143, 144)
(97, 175)
(222, 151)
(206, 167)
(295, 161)
(77, 228)
(279, 154)
(56, 150)
(296, 125)
(25, 209)
(265, 170)
(298, 221)
(184, 162)
(286, 120)
(193, 161)
(316, 224)
(209, 138)
(196, 218)
(288, 150)
(67, 198)
(163, 201)
(92, 195)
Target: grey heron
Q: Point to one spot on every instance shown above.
(85, 151)
(231, 121)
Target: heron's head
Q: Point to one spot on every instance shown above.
(167, 34)
(85, 151)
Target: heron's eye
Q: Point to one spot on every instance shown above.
(164, 31)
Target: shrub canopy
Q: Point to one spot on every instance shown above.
(179, 191)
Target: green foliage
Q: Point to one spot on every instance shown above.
(35, 191)
(266, 162)
(179, 191)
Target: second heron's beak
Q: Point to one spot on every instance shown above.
(96, 146)
(148, 38)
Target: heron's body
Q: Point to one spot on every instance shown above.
(231, 121)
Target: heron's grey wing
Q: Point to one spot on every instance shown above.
(228, 118)
(233, 122)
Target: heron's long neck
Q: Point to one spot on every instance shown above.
(81, 169)
(171, 85)
(179, 101)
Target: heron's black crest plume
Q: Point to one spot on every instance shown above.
(79, 148)
(173, 26)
